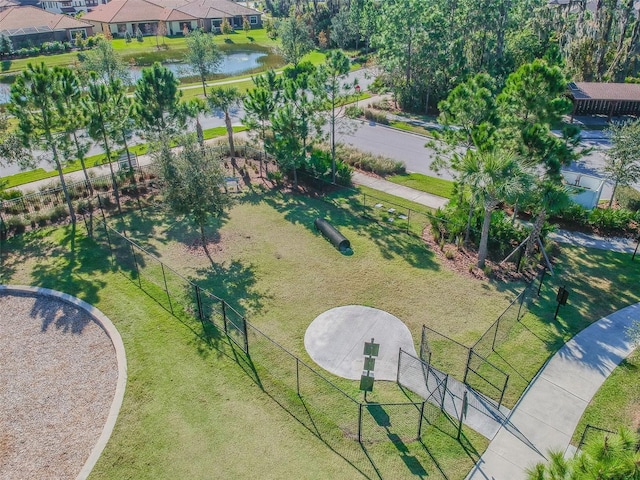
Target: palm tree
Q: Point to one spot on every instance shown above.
(226, 99)
(492, 177)
(548, 197)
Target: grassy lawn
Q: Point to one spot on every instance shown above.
(424, 183)
(617, 403)
(189, 409)
(407, 127)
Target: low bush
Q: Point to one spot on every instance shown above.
(353, 112)
(574, 213)
(376, 116)
(318, 165)
(368, 162)
(16, 225)
(611, 220)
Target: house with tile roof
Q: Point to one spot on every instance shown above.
(121, 16)
(70, 7)
(27, 26)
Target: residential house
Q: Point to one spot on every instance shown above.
(70, 7)
(121, 16)
(26, 26)
(5, 4)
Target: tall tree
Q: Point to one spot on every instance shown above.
(71, 92)
(203, 55)
(295, 39)
(329, 78)
(260, 103)
(104, 60)
(157, 102)
(37, 104)
(492, 178)
(226, 99)
(103, 109)
(622, 161)
(192, 186)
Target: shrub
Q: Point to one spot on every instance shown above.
(574, 213)
(353, 112)
(52, 47)
(369, 162)
(376, 116)
(611, 220)
(318, 165)
(382, 105)
(16, 224)
(503, 234)
(628, 198)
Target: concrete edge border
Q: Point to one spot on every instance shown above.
(121, 359)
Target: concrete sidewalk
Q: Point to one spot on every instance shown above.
(547, 414)
(401, 191)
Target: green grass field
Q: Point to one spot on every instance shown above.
(189, 409)
(424, 183)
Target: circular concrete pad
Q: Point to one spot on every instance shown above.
(335, 341)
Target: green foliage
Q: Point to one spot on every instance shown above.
(376, 116)
(318, 165)
(295, 39)
(622, 165)
(139, 36)
(203, 55)
(353, 111)
(192, 183)
(127, 37)
(628, 197)
(611, 220)
(368, 162)
(226, 27)
(105, 62)
(606, 456)
(574, 213)
(157, 101)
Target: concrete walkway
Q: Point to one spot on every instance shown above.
(548, 412)
(401, 191)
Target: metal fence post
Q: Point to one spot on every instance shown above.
(504, 389)
(421, 420)
(399, 362)
(166, 288)
(246, 337)
(422, 344)
(199, 302)
(224, 315)
(444, 391)
(408, 221)
(135, 262)
(495, 334)
(360, 422)
(298, 376)
(466, 370)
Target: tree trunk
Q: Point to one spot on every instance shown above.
(84, 167)
(204, 86)
(613, 194)
(484, 238)
(227, 121)
(333, 140)
(535, 233)
(468, 227)
(67, 197)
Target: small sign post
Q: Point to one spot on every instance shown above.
(561, 298)
(371, 350)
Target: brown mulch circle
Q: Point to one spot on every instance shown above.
(58, 376)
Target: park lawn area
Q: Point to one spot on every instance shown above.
(617, 402)
(188, 408)
(599, 282)
(424, 183)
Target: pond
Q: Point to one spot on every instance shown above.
(236, 60)
(233, 63)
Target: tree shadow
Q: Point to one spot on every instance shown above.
(64, 316)
(302, 210)
(19, 249)
(72, 270)
(233, 282)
